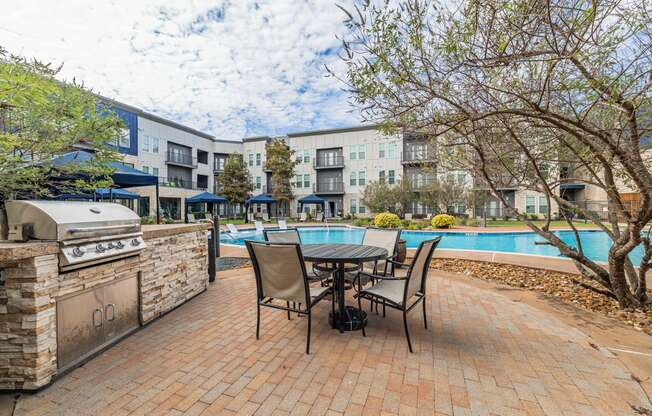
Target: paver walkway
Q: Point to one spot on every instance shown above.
(483, 354)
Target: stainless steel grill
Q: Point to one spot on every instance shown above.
(88, 232)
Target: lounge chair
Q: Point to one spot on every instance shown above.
(282, 225)
(408, 217)
(303, 217)
(232, 229)
(398, 292)
(281, 278)
(265, 217)
(319, 217)
(191, 217)
(259, 227)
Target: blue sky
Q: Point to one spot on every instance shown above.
(230, 68)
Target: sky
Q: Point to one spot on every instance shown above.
(233, 69)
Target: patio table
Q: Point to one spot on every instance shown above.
(346, 318)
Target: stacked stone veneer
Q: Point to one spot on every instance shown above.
(173, 269)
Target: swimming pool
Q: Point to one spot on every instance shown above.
(595, 243)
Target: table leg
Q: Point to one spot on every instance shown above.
(346, 318)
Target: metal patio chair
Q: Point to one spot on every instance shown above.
(386, 238)
(281, 277)
(399, 292)
(318, 273)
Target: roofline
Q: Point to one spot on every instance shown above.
(158, 119)
(256, 139)
(332, 131)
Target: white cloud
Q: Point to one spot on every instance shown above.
(230, 68)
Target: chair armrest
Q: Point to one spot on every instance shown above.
(379, 277)
(398, 263)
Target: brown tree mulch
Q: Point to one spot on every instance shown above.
(563, 286)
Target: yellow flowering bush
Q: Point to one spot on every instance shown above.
(443, 221)
(387, 220)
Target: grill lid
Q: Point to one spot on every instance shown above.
(66, 220)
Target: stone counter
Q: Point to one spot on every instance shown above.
(172, 269)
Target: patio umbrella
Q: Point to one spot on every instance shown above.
(204, 197)
(261, 199)
(111, 193)
(312, 200)
(123, 176)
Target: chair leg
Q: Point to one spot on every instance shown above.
(425, 318)
(308, 339)
(364, 334)
(288, 305)
(407, 332)
(384, 312)
(257, 320)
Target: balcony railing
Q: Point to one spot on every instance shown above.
(422, 184)
(182, 159)
(328, 187)
(181, 183)
(418, 157)
(326, 162)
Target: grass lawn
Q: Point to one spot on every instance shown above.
(235, 221)
(561, 223)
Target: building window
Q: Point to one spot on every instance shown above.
(381, 176)
(352, 180)
(257, 159)
(258, 182)
(299, 156)
(543, 205)
(145, 143)
(354, 206)
(306, 156)
(391, 150)
(306, 181)
(381, 151)
(202, 157)
(145, 169)
(529, 204)
(391, 177)
(361, 178)
(361, 151)
(363, 209)
(353, 152)
(251, 159)
(155, 144)
(298, 181)
(461, 178)
(155, 171)
(125, 138)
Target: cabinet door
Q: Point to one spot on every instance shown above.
(120, 307)
(79, 326)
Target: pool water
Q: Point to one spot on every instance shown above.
(595, 243)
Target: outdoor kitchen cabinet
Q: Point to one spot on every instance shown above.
(90, 320)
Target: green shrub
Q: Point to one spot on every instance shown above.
(406, 224)
(360, 222)
(473, 223)
(387, 220)
(148, 220)
(461, 220)
(443, 221)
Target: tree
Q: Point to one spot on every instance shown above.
(404, 195)
(513, 91)
(450, 193)
(41, 118)
(235, 181)
(281, 162)
(378, 197)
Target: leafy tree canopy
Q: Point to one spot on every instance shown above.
(235, 181)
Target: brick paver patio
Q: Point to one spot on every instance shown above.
(482, 354)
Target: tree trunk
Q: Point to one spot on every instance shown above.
(619, 284)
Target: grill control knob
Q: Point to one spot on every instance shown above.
(110, 246)
(135, 242)
(78, 252)
(119, 245)
(100, 248)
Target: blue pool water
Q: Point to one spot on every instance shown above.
(595, 243)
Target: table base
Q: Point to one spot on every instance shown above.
(353, 319)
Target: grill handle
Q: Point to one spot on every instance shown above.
(104, 228)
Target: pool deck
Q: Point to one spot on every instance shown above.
(488, 350)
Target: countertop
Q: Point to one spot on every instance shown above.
(165, 230)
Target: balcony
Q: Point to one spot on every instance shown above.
(181, 159)
(332, 162)
(181, 183)
(417, 157)
(328, 188)
(419, 185)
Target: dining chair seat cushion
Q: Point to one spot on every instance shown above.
(392, 290)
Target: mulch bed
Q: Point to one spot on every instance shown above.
(230, 263)
(559, 285)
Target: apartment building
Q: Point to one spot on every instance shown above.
(185, 160)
